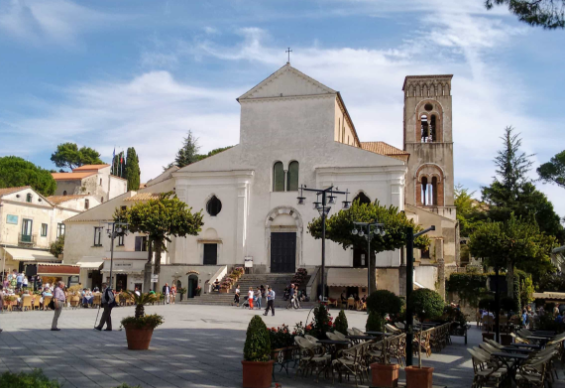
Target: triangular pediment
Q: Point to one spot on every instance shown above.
(286, 82)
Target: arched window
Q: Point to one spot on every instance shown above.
(425, 128)
(433, 126)
(278, 177)
(362, 198)
(214, 206)
(292, 178)
(28, 197)
(424, 190)
(434, 191)
(86, 204)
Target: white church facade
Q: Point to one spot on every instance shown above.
(296, 131)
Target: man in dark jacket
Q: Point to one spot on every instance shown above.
(167, 292)
(108, 302)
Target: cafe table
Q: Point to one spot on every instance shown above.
(531, 346)
(512, 361)
(541, 340)
(512, 349)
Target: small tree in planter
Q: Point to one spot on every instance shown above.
(257, 363)
(139, 328)
(322, 322)
(426, 304)
(380, 303)
(341, 323)
(182, 291)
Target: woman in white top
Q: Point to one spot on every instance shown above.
(250, 298)
(236, 296)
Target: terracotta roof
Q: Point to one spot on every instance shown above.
(10, 190)
(89, 167)
(382, 148)
(56, 199)
(71, 176)
(142, 197)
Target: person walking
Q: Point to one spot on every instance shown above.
(108, 303)
(173, 293)
(236, 296)
(25, 281)
(58, 301)
(259, 298)
(270, 302)
(250, 298)
(292, 297)
(19, 280)
(167, 292)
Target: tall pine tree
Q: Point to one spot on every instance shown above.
(188, 154)
(132, 170)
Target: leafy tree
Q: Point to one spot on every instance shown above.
(340, 225)
(257, 346)
(70, 156)
(549, 14)
(17, 172)
(340, 323)
(468, 214)
(384, 302)
(58, 246)
(160, 219)
(188, 154)
(213, 152)
(554, 170)
(132, 170)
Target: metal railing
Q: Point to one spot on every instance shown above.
(27, 239)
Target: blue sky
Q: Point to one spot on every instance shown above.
(142, 72)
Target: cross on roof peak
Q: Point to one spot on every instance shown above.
(288, 51)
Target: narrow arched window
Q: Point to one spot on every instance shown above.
(214, 206)
(278, 177)
(28, 197)
(434, 191)
(86, 204)
(433, 129)
(424, 190)
(292, 179)
(425, 128)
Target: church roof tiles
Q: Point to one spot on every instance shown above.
(382, 148)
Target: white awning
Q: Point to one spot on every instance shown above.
(347, 277)
(20, 254)
(125, 266)
(91, 262)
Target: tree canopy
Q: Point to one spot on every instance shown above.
(160, 219)
(340, 225)
(554, 170)
(468, 212)
(68, 155)
(132, 170)
(549, 14)
(188, 153)
(16, 172)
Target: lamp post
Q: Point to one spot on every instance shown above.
(410, 236)
(368, 230)
(114, 230)
(328, 198)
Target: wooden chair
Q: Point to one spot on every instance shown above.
(26, 302)
(36, 304)
(351, 304)
(96, 299)
(46, 301)
(351, 362)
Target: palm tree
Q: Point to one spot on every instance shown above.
(140, 301)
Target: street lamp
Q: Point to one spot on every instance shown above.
(368, 230)
(114, 230)
(328, 198)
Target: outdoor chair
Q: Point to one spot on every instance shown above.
(534, 373)
(374, 352)
(400, 326)
(351, 304)
(486, 372)
(96, 299)
(311, 360)
(358, 331)
(46, 301)
(312, 339)
(26, 302)
(392, 329)
(36, 303)
(350, 362)
(333, 336)
(340, 336)
(488, 323)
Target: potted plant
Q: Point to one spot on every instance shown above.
(380, 303)
(181, 292)
(426, 304)
(257, 365)
(198, 291)
(139, 328)
(282, 343)
(340, 323)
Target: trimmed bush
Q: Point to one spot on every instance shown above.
(257, 341)
(145, 322)
(384, 302)
(341, 323)
(322, 322)
(426, 304)
(375, 322)
(35, 379)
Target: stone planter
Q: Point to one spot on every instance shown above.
(385, 375)
(419, 377)
(138, 339)
(257, 374)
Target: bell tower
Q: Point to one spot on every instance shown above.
(428, 137)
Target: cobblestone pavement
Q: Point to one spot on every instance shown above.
(197, 346)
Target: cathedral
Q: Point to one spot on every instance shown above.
(296, 131)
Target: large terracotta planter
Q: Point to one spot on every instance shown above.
(488, 336)
(385, 375)
(257, 374)
(419, 377)
(138, 339)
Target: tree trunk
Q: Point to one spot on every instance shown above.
(510, 280)
(371, 256)
(147, 270)
(158, 249)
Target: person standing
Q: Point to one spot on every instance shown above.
(19, 280)
(236, 296)
(173, 293)
(291, 296)
(108, 303)
(24, 281)
(270, 302)
(259, 298)
(167, 292)
(250, 298)
(58, 301)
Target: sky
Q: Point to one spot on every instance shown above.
(141, 73)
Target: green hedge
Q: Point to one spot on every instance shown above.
(35, 379)
(470, 287)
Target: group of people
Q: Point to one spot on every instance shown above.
(170, 293)
(17, 281)
(255, 298)
(358, 302)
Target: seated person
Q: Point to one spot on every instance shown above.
(216, 285)
(87, 297)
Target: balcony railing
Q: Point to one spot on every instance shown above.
(27, 239)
